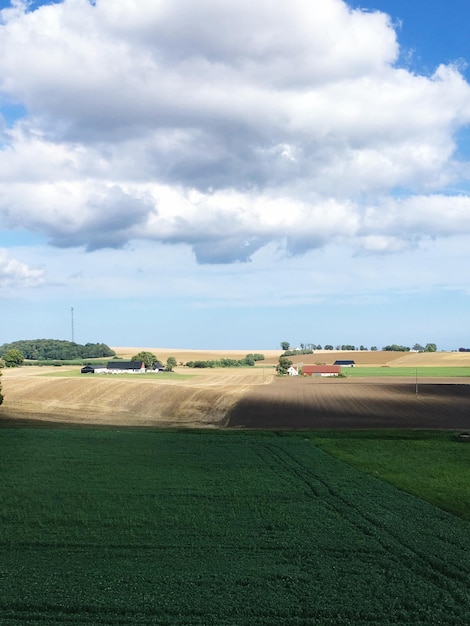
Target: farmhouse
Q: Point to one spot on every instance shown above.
(345, 363)
(321, 370)
(293, 371)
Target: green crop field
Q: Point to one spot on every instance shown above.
(142, 527)
(432, 465)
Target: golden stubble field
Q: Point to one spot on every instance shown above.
(37, 394)
(245, 397)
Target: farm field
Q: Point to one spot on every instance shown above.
(434, 465)
(380, 358)
(123, 526)
(184, 355)
(196, 398)
(411, 372)
(354, 403)
(372, 396)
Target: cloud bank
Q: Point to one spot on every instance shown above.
(226, 127)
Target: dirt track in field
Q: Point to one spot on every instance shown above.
(314, 403)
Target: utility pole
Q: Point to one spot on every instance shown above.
(73, 330)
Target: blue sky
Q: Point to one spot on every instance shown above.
(181, 183)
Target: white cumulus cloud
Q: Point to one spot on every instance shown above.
(14, 273)
(225, 126)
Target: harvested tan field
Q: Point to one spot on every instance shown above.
(313, 403)
(381, 358)
(433, 359)
(202, 401)
(183, 356)
(328, 357)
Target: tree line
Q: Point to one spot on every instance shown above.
(54, 349)
(248, 360)
(308, 348)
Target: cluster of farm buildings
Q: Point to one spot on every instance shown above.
(320, 370)
(138, 367)
(121, 367)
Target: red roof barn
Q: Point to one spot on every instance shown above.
(321, 370)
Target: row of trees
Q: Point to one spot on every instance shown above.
(429, 347)
(307, 348)
(56, 349)
(249, 360)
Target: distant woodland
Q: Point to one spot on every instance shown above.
(56, 349)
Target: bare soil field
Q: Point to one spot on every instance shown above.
(32, 395)
(314, 403)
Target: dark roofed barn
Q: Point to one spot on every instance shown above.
(126, 366)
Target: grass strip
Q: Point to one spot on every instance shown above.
(432, 465)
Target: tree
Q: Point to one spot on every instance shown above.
(418, 347)
(171, 363)
(430, 347)
(249, 360)
(147, 357)
(285, 345)
(283, 365)
(13, 358)
(1, 395)
(328, 346)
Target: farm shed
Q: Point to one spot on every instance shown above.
(116, 367)
(321, 370)
(87, 369)
(345, 363)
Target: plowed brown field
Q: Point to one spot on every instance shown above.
(311, 403)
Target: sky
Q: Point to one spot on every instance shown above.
(230, 175)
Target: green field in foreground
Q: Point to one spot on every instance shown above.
(141, 527)
(452, 372)
(431, 465)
